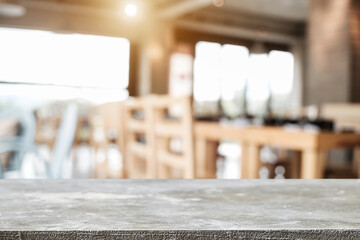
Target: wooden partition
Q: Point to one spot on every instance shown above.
(139, 139)
(106, 124)
(173, 123)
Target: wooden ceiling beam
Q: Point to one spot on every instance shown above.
(182, 8)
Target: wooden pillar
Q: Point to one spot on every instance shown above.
(333, 52)
(155, 51)
(355, 50)
(328, 52)
(133, 71)
(244, 160)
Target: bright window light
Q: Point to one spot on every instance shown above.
(224, 71)
(30, 94)
(281, 71)
(207, 72)
(234, 67)
(68, 60)
(130, 10)
(33, 56)
(258, 78)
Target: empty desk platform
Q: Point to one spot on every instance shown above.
(179, 209)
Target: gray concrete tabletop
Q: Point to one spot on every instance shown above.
(180, 209)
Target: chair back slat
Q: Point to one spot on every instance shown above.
(169, 128)
(139, 153)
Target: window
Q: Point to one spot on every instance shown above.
(258, 92)
(281, 65)
(234, 70)
(282, 74)
(207, 67)
(35, 59)
(231, 74)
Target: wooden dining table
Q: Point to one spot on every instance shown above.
(312, 145)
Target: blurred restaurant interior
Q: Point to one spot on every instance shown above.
(223, 89)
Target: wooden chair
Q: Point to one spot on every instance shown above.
(139, 139)
(345, 116)
(105, 120)
(173, 123)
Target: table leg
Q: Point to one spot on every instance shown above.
(206, 155)
(313, 163)
(295, 165)
(356, 161)
(243, 161)
(250, 161)
(321, 163)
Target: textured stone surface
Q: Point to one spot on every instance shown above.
(179, 209)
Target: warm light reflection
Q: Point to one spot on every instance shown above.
(218, 3)
(155, 51)
(130, 10)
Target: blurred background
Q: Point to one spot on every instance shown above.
(179, 88)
